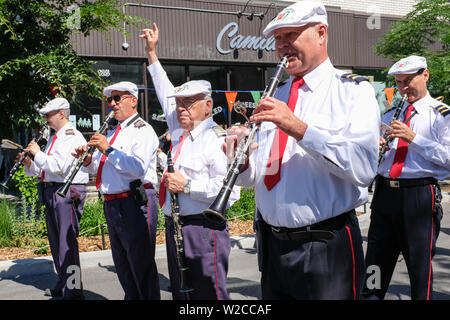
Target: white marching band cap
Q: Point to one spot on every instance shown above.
(122, 86)
(408, 65)
(55, 104)
(192, 88)
(296, 15)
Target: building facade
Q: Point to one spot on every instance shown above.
(222, 42)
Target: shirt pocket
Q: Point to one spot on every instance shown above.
(192, 166)
(328, 122)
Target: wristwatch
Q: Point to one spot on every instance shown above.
(109, 150)
(187, 187)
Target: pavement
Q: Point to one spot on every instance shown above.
(26, 279)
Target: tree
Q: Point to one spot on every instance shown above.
(37, 58)
(425, 31)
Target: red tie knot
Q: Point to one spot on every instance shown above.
(298, 82)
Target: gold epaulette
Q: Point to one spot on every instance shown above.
(219, 131)
(139, 124)
(354, 77)
(443, 109)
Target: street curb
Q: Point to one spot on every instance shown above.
(11, 269)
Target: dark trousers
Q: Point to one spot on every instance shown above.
(63, 225)
(132, 247)
(312, 269)
(207, 249)
(405, 220)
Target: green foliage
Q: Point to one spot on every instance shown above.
(20, 225)
(92, 218)
(425, 28)
(27, 186)
(244, 208)
(37, 53)
(6, 223)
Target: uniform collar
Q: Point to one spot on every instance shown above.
(204, 125)
(125, 123)
(315, 77)
(421, 105)
(61, 132)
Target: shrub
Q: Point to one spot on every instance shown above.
(244, 208)
(92, 218)
(6, 223)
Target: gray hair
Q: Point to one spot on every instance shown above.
(66, 113)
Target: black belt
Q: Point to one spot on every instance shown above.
(315, 232)
(406, 183)
(185, 219)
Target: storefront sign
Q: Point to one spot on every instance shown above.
(239, 41)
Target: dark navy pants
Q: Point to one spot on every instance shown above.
(132, 232)
(312, 270)
(63, 225)
(207, 249)
(405, 220)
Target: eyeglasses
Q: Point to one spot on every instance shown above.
(117, 98)
(187, 103)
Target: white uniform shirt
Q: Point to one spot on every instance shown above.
(201, 158)
(60, 160)
(343, 126)
(429, 153)
(134, 157)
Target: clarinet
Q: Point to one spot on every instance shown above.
(178, 234)
(216, 211)
(79, 163)
(385, 136)
(24, 155)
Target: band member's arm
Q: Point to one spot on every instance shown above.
(206, 190)
(351, 152)
(436, 150)
(347, 147)
(163, 86)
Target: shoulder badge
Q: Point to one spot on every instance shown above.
(219, 131)
(354, 77)
(70, 132)
(443, 109)
(139, 124)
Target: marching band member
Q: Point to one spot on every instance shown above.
(62, 214)
(316, 153)
(200, 167)
(406, 209)
(125, 163)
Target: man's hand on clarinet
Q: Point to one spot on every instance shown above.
(26, 162)
(234, 135)
(276, 111)
(79, 151)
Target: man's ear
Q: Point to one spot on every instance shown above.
(208, 111)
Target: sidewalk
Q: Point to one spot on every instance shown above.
(42, 265)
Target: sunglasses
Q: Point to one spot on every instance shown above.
(117, 98)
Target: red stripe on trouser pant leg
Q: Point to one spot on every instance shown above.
(431, 242)
(353, 259)
(215, 267)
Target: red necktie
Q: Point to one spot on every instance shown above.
(49, 149)
(98, 180)
(162, 185)
(402, 149)
(280, 140)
